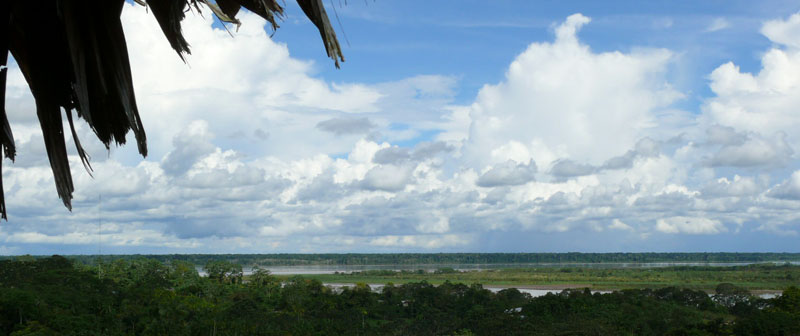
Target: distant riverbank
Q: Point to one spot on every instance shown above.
(432, 268)
(418, 259)
(754, 277)
(540, 290)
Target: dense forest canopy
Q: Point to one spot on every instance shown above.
(56, 296)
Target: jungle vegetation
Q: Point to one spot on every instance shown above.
(59, 296)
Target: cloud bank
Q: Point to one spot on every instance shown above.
(257, 154)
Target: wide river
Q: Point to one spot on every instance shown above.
(331, 269)
(534, 292)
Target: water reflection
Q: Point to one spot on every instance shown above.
(338, 287)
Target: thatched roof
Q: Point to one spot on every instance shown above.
(74, 56)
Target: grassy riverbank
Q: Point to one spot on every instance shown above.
(752, 277)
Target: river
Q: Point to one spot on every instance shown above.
(331, 269)
(534, 292)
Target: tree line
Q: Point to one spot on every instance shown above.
(290, 259)
(58, 296)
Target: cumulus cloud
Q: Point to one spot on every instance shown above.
(322, 188)
(568, 168)
(726, 136)
(644, 148)
(740, 186)
(191, 144)
(508, 173)
(617, 224)
(689, 225)
(562, 100)
(391, 155)
(755, 151)
(420, 241)
(261, 155)
(260, 89)
(344, 126)
(427, 150)
(789, 189)
(387, 177)
(422, 151)
(766, 102)
(19, 101)
(786, 32)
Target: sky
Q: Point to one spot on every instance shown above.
(452, 126)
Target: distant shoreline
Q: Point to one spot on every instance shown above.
(757, 277)
(561, 287)
(434, 259)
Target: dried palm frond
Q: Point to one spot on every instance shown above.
(315, 12)
(73, 55)
(6, 137)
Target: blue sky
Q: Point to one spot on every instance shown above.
(457, 126)
(477, 42)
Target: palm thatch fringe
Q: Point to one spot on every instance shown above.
(73, 55)
(315, 12)
(6, 137)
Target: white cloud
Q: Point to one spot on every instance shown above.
(508, 173)
(718, 24)
(427, 150)
(738, 187)
(246, 83)
(755, 151)
(617, 224)
(191, 144)
(244, 159)
(721, 135)
(689, 225)
(764, 103)
(427, 242)
(567, 168)
(562, 100)
(789, 189)
(342, 126)
(387, 177)
(785, 32)
(644, 148)
(391, 155)
(437, 222)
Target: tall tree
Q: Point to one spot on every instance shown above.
(73, 55)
